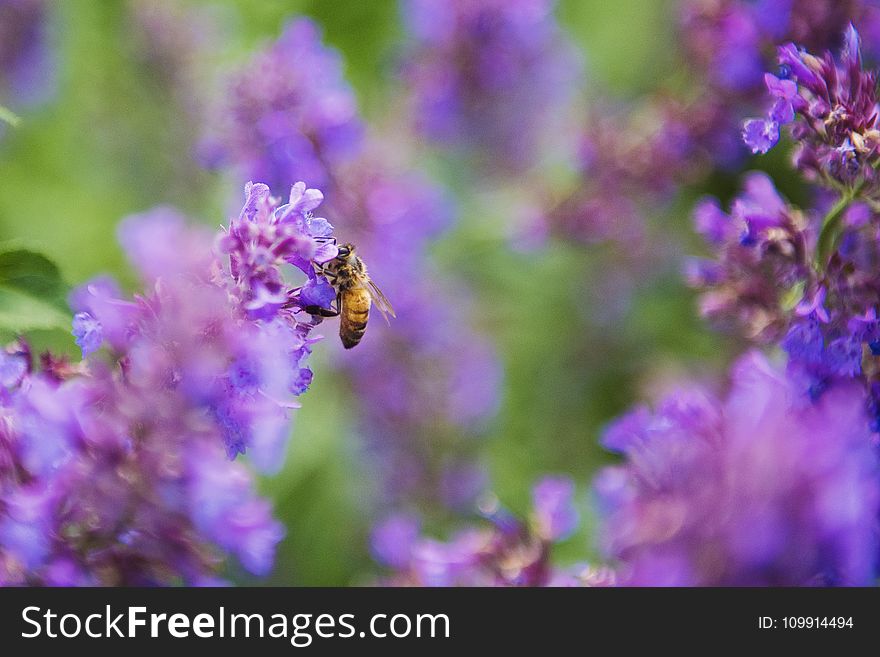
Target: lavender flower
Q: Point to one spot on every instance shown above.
(787, 275)
(836, 103)
(762, 488)
(763, 250)
(290, 113)
(506, 551)
(426, 380)
(730, 39)
(635, 158)
(487, 75)
(142, 437)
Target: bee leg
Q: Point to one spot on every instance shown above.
(321, 270)
(323, 312)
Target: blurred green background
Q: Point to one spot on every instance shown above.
(110, 144)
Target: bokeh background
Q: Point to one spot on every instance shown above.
(582, 331)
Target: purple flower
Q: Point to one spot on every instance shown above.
(227, 511)
(760, 134)
(88, 333)
(392, 540)
(119, 472)
(106, 315)
(814, 307)
(555, 515)
(502, 551)
(14, 366)
(729, 492)
(762, 253)
(490, 77)
(711, 221)
(785, 92)
(317, 292)
(25, 526)
(289, 114)
(27, 75)
(836, 103)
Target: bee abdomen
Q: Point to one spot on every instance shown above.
(353, 323)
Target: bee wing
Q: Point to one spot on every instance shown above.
(380, 300)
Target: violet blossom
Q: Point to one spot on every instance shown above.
(502, 551)
(487, 76)
(287, 115)
(121, 471)
(832, 106)
(760, 488)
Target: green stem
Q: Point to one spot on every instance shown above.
(830, 224)
(8, 116)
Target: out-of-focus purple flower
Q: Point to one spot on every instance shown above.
(169, 39)
(503, 551)
(487, 76)
(228, 512)
(761, 488)
(428, 381)
(634, 159)
(14, 365)
(289, 115)
(27, 74)
(729, 39)
(393, 540)
(26, 525)
(555, 514)
(105, 313)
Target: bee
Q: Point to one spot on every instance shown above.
(355, 293)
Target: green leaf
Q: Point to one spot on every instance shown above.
(21, 312)
(32, 291)
(9, 117)
(29, 271)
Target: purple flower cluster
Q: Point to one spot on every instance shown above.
(505, 551)
(288, 115)
(487, 75)
(628, 161)
(426, 380)
(639, 158)
(762, 488)
(835, 103)
(731, 39)
(120, 470)
(26, 67)
(763, 257)
(797, 277)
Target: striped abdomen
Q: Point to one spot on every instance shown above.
(355, 312)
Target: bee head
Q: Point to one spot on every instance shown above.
(346, 251)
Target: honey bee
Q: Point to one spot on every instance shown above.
(355, 293)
